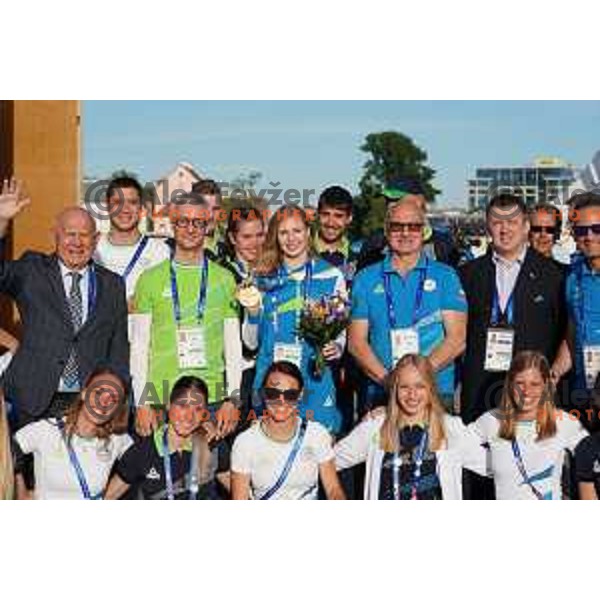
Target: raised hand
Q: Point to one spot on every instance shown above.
(13, 199)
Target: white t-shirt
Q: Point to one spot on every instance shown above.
(543, 460)
(263, 459)
(116, 258)
(55, 476)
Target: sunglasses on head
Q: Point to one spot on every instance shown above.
(583, 230)
(397, 227)
(271, 394)
(543, 229)
(184, 223)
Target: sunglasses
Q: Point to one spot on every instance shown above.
(584, 230)
(272, 394)
(184, 223)
(397, 227)
(543, 229)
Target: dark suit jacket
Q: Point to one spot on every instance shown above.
(34, 282)
(539, 322)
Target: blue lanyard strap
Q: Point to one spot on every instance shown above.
(390, 300)
(419, 456)
(508, 313)
(191, 480)
(92, 290)
(288, 464)
(282, 277)
(136, 256)
(83, 484)
(522, 470)
(201, 296)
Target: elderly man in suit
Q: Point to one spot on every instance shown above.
(73, 311)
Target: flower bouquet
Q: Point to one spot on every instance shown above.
(321, 322)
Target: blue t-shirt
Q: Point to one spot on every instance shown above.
(441, 291)
(583, 303)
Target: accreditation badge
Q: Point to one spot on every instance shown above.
(499, 349)
(404, 341)
(191, 347)
(591, 363)
(289, 352)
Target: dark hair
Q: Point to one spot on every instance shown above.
(188, 383)
(546, 207)
(207, 187)
(285, 368)
(585, 200)
(336, 196)
(506, 201)
(236, 216)
(123, 183)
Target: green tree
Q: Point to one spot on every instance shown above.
(392, 155)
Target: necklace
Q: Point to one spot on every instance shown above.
(263, 428)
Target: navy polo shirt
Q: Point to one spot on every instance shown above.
(442, 291)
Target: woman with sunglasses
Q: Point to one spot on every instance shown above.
(528, 436)
(281, 456)
(73, 456)
(175, 463)
(413, 449)
(290, 275)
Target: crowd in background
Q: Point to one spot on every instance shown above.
(183, 368)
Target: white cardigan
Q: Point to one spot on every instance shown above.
(463, 450)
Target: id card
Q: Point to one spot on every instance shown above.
(591, 363)
(404, 341)
(289, 352)
(499, 349)
(191, 348)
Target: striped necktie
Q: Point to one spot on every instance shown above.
(71, 372)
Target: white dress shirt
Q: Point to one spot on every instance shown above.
(507, 272)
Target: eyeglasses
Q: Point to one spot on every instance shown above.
(584, 230)
(272, 394)
(397, 227)
(184, 223)
(543, 229)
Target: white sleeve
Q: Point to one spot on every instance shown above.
(241, 453)
(322, 443)
(233, 355)
(572, 432)
(124, 442)
(473, 454)
(353, 449)
(29, 437)
(250, 333)
(479, 432)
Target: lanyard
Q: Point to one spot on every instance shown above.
(136, 256)
(83, 484)
(508, 311)
(419, 455)
(201, 295)
(282, 277)
(192, 479)
(288, 463)
(92, 291)
(390, 300)
(519, 460)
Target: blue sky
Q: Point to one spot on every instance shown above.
(312, 144)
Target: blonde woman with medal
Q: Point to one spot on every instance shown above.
(288, 276)
(528, 435)
(413, 449)
(283, 456)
